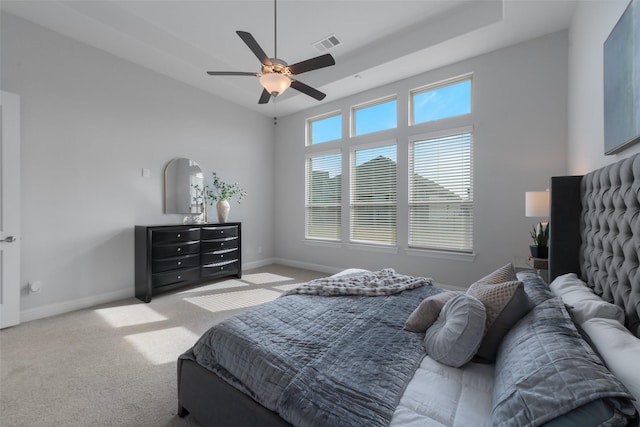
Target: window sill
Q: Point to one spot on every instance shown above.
(430, 253)
(373, 248)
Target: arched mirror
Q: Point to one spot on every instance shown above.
(180, 177)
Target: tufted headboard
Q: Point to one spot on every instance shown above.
(595, 233)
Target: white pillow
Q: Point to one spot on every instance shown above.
(566, 283)
(583, 303)
(620, 351)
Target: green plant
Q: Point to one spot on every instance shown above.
(540, 234)
(220, 190)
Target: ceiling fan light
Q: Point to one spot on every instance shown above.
(275, 83)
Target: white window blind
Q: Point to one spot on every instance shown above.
(441, 193)
(373, 195)
(324, 197)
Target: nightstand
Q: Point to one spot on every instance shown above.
(521, 263)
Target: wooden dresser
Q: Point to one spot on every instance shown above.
(177, 255)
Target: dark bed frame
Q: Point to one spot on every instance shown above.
(595, 233)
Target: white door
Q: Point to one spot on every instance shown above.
(9, 209)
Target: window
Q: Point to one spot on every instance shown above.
(375, 116)
(324, 196)
(441, 193)
(324, 128)
(373, 195)
(440, 101)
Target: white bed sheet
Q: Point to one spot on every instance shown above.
(439, 395)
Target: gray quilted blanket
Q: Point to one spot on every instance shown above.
(317, 361)
(545, 369)
(375, 283)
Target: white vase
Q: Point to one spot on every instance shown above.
(223, 210)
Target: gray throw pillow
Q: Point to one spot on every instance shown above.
(505, 303)
(455, 337)
(427, 312)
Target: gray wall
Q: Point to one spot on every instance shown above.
(520, 141)
(90, 123)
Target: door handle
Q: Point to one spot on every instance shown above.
(8, 239)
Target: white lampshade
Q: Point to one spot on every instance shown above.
(537, 204)
(275, 83)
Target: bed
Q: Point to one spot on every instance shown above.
(332, 353)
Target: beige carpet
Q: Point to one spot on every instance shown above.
(115, 365)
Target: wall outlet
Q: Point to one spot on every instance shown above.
(35, 287)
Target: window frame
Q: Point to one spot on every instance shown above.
(437, 85)
(368, 104)
(444, 133)
(308, 128)
(307, 204)
(351, 205)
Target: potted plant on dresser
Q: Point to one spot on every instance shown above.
(221, 193)
(540, 235)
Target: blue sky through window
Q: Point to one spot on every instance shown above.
(445, 101)
(327, 129)
(376, 117)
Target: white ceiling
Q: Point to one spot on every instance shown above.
(381, 41)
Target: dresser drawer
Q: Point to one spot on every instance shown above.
(218, 257)
(219, 245)
(208, 233)
(176, 276)
(219, 269)
(174, 249)
(175, 235)
(167, 264)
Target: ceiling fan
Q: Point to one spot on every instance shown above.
(275, 75)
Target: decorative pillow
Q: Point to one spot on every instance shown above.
(534, 286)
(427, 312)
(455, 337)
(582, 301)
(505, 303)
(543, 354)
(504, 274)
(619, 349)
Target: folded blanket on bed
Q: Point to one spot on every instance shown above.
(376, 283)
(545, 370)
(320, 361)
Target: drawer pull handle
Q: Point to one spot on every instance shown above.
(179, 234)
(179, 262)
(179, 277)
(179, 249)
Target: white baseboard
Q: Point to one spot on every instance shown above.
(73, 305)
(257, 264)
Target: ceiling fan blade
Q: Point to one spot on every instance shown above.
(307, 90)
(321, 61)
(248, 39)
(231, 73)
(264, 97)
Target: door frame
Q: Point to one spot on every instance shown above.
(10, 209)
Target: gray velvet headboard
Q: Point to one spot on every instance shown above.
(595, 233)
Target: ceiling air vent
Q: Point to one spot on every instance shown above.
(327, 43)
